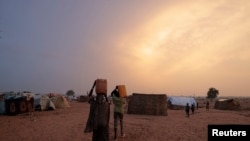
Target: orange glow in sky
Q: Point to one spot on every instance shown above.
(171, 47)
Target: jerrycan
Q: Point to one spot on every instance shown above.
(122, 90)
(101, 86)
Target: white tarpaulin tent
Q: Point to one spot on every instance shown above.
(180, 101)
(43, 102)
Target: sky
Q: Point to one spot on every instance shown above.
(173, 47)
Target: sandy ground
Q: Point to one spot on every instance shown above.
(68, 124)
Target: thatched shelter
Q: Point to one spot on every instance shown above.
(227, 104)
(147, 104)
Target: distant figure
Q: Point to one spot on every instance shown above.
(192, 108)
(187, 108)
(118, 111)
(207, 106)
(197, 106)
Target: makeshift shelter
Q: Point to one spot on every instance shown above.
(12, 103)
(72, 98)
(18, 105)
(60, 101)
(147, 104)
(50, 95)
(227, 104)
(43, 102)
(176, 102)
(83, 98)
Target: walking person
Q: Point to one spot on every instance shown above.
(207, 106)
(187, 109)
(192, 108)
(98, 120)
(118, 102)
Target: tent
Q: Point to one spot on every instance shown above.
(83, 98)
(43, 102)
(60, 101)
(176, 102)
(72, 98)
(12, 103)
(227, 104)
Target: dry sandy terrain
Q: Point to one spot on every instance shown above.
(68, 124)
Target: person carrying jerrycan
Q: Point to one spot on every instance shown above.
(118, 102)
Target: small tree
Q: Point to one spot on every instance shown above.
(212, 93)
(70, 93)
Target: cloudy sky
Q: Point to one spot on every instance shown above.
(175, 47)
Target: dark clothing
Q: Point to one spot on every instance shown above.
(192, 108)
(101, 134)
(115, 92)
(207, 106)
(98, 120)
(118, 117)
(187, 109)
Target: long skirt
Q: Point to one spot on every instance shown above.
(98, 120)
